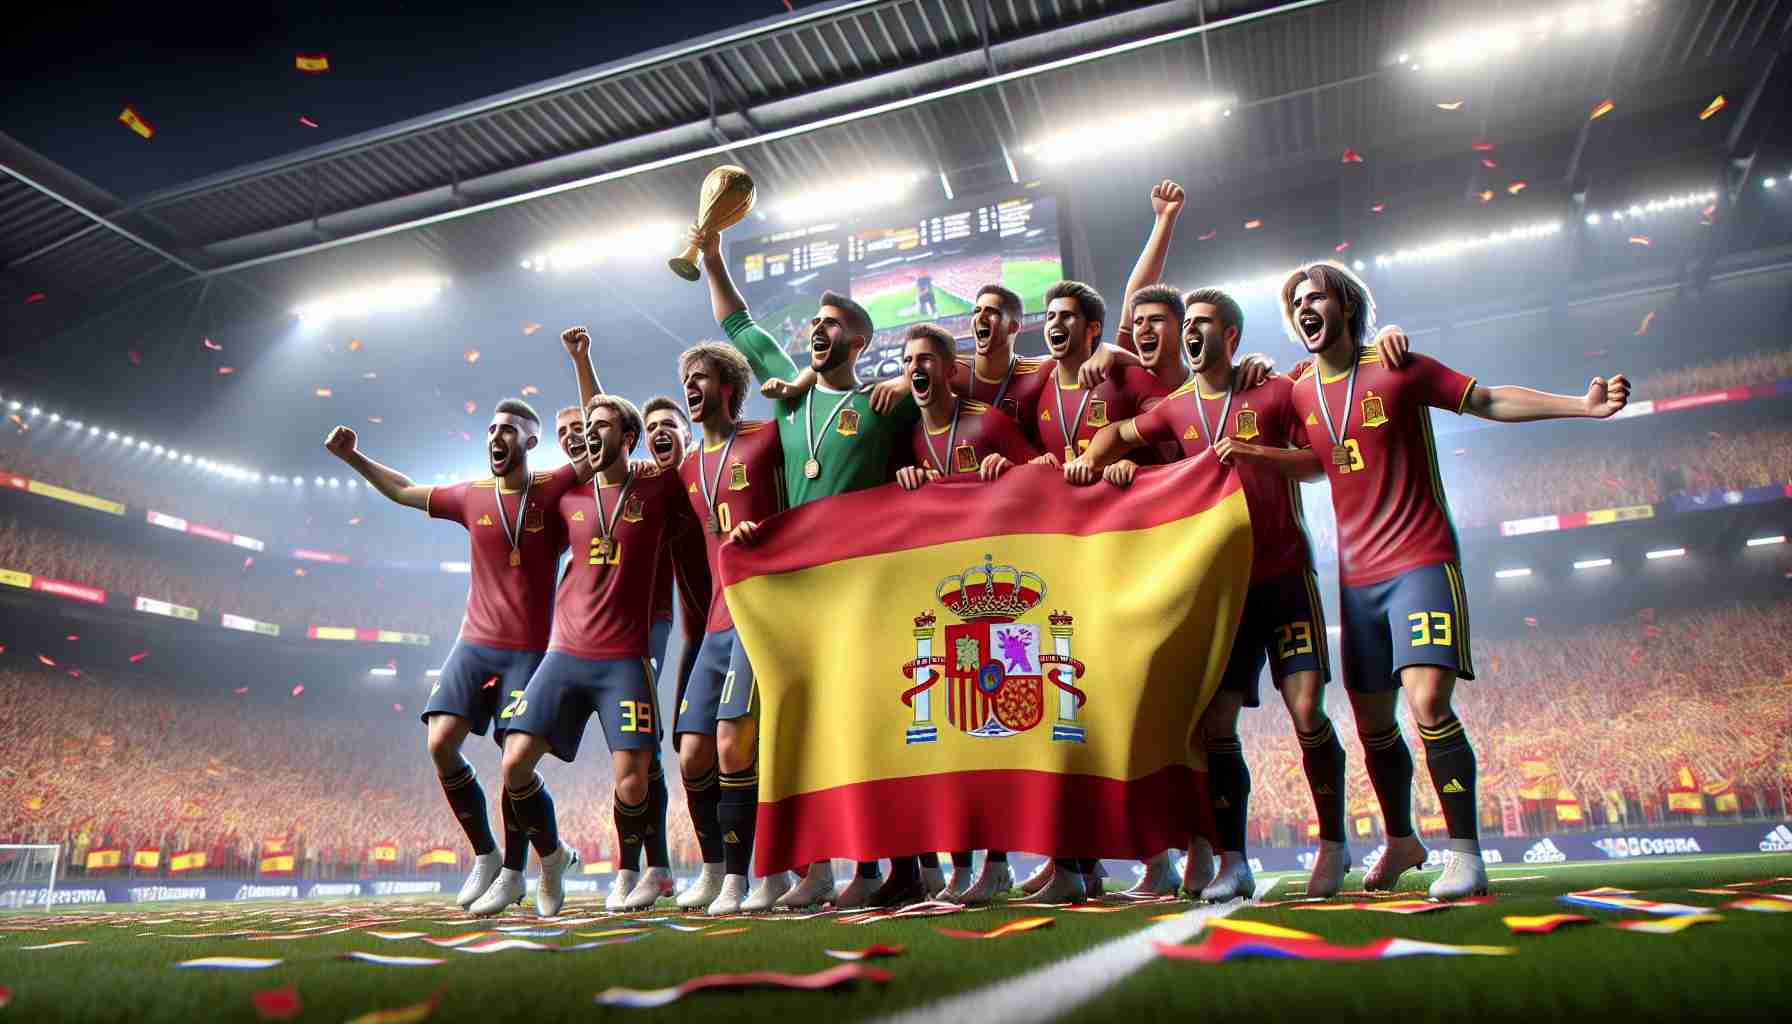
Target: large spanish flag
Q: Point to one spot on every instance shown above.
(1016, 665)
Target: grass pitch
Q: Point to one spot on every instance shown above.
(895, 307)
(1735, 968)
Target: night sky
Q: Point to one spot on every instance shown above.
(220, 87)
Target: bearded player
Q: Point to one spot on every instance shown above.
(1405, 616)
(1283, 621)
(514, 548)
(597, 657)
(833, 442)
(733, 480)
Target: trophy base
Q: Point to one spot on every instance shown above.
(684, 268)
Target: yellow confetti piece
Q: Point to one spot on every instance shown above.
(1516, 187)
(1264, 928)
(1603, 108)
(135, 122)
(1541, 923)
(609, 932)
(312, 63)
(726, 931)
(1451, 105)
(1667, 925)
(1025, 924)
(401, 1015)
(1486, 195)
(324, 392)
(1713, 107)
(1760, 905)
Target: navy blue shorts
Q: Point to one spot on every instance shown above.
(566, 691)
(1284, 625)
(461, 687)
(1416, 618)
(721, 685)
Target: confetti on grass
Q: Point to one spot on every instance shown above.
(231, 963)
(402, 1015)
(57, 945)
(1025, 924)
(1671, 926)
(880, 950)
(277, 1003)
(1542, 924)
(1222, 945)
(392, 961)
(641, 999)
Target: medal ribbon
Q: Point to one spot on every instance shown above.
(1069, 427)
(1225, 410)
(951, 439)
(514, 537)
(713, 491)
(1343, 427)
(606, 525)
(809, 422)
(1007, 378)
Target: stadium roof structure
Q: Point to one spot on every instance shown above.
(831, 91)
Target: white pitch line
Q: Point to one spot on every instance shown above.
(1049, 992)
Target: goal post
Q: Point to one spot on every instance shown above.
(28, 874)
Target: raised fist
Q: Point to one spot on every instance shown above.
(577, 341)
(340, 442)
(1166, 198)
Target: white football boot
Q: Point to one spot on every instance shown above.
(1039, 879)
(702, 892)
(654, 883)
(1399, 856)
(994, 880)
(1465, 874)
(1233, 881)
(485, 872)
(933, 882)
(734, 890)
(550, 894)
(816, 888)
(620, 886)
(956, 888)
(1064, 887)
(1197, 871)
(765, 895)
(1159, 879)
(1329, 869)
(507, 889)
(858, 892)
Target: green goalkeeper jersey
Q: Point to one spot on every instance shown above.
(853, 446)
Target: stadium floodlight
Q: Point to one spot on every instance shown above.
(398, 294)
(334, 482)
(143, 445)
(186, 460)
(111, 435)
(74, 424)
(1506, 37)
(298, 481)
(1094, 138)
(1593, 219)
(320, 481)
(1767, 183)
(1450, 248)
(159, 448)
(1761, 542)
(1358, 264)
(55, 417)
(35, 410)
(589, 250)
(352, 484)
(1665, 553)
(93, 430)
(14, 405)
(1661, 204)
(129, 440)
(1592, 563)
(432, 673)
(849, 196)
(1511, 574)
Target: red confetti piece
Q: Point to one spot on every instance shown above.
(35, 297)
(489, 683)
(1488, 163)
(46, 661)
(74, 673)
(391, 662)
(277, 1003)
(135, 122)
(298, 689)
(472, 355)
(1531, 621)
(829, 978)
(139, 656)
(1516, 187)
(239, 691)
(530, 389)
(1341, 246)
(5, 996)
(471, 407)
(1486, 195)
(225, 371)
(212, 345)
(1378, 208)
(312, 63)
(18, 422)
(868, 953)
(398, 707)
(1602, 108)
(1713, 107)
(1209, 236)
(1594, 353)
(1351, 156)
(1481, 146)
(1643, 328)
(1450, 105)
(1025, 924)
(530, 328)
(1641, 240)
(1253, 224)
(134, 356)
(307, 122)
(324, 392)
(73, 636)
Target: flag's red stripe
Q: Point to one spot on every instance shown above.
(1038, 812)
(1028, 499)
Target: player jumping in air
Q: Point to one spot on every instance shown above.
(597, 657)
(833, 442)
(514, 548)
(1405, 617)
(733, 480)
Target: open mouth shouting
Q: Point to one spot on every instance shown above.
(920, 385)
(693, 402)
(1058, 340)
(820, 347)
(500, 457)
(983, 334)
(1194, 345)
(663, 448)
(1148, 345)
(1312, 326)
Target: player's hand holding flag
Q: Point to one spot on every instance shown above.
(1081, 472)
(911, 477)
(1120, 473)
(994, 465)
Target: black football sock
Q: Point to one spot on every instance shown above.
(467, 798)
(535, 812)
(1452, 763)
(1390, 772)
(655, 843)
(867, 869)
(1086, 865)
(516, 841)
(631, 831)
(904, 871)
(997, 856)
(931, 861)
(702, 794)
(737, 814)
(961, 859)
(1230, 778)
(1323, 758)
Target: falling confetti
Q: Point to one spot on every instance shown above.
(354, 521)
(139, 656)
(1462, 451)
(489, 683)
(312, 63)
(135, 122)
(1378, 208)
(1704, 115)
(1341, 246)
(530, 389)
(471, 407)
(1253, 224)
(1450, 105)
(298, 689)
(307, 122)
(1209, 236)
(1603, 108)
(212, 345)
(324, 392)
(398, 707)
(35, 297)
(225, 371)
(1643, 328)
(239, 691)
(1516, 187)
(1351, 156)
(1531, 621)
(46, 661)
(530, 328)
(277, 1003)
(354, 344)
(134, 356)
(472, 355)
(1486, 195)
(298, 572)
(247, 562)
(1481, 146)
(376, 420)
(1643, 240)
(1489, 163)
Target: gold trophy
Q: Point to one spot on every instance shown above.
(727, 196)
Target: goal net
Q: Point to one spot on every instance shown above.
(28, 875)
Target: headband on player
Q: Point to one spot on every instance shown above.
(525, 428)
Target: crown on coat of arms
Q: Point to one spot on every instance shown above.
(1061, 618)
(991, 591)
(925, 619)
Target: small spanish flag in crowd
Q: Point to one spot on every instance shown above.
(385, 853)
(277, 865)
(439, 856)
(146, 860)
(102, 859)
(312, 63)
(192, 860)
(134, 121)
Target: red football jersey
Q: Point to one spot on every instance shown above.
(1263, 415)
(604, 608)
(1015, 393)
(1392, 513)
(747, 486)
(684, 567)
(1128, 391)
(982, 429)
(508, 607)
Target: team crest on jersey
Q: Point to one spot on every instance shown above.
(1312, 420)
(849, 423)
(484, 521)
(1191, 434)
(997, 676)
(1098, 412)
(578, 516)
(964, 459)
(534, 521)
(1247, 424)
(634, 509)
(737, 476)
(1373, 414)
